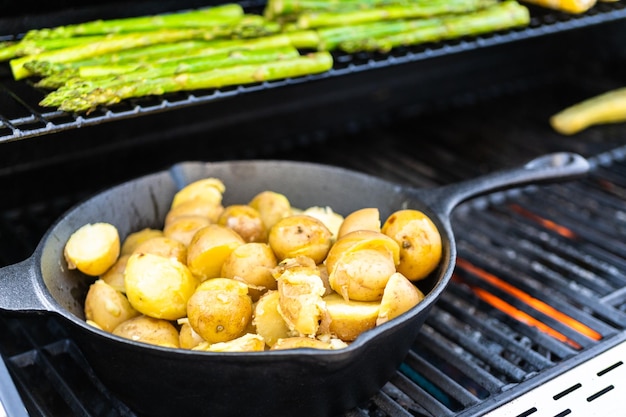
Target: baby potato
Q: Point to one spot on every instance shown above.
(114, 276)
(327, 216)
(362, 239)
(271, 206)
(348, 319)
(300, 235)
(187, 337)
(210, 190)
(183, 228)
(210, 210)
(106, 306)
(135, 239)
(399, 297)
(165, 247)
(362, 275)
(363, 219)
(419, 241)
(158, 287)
(93, 248)
(268, 322)
(252, 263)
(299, 342)
(244, 220)
(209, 248)
(249, 342)
(149, 330)
(220, 309)
(300, 301)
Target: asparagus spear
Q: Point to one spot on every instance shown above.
(25, 47)
(176, 66)
(218, 15)
(275, 8)
(242, 74)
(309, 20)
(254, 26)
(505, 15)
(127, 60)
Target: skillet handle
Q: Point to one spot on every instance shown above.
(548, 168)
(19, 291)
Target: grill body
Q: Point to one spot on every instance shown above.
(422, 116)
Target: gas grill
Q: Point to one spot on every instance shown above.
(534, 321)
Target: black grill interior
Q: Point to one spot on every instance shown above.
(423, 116)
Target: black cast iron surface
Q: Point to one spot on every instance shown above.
(560, 244)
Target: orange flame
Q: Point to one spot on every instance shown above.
(531, 301)
(548, 224)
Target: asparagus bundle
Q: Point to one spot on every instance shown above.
(77, 100)
(383, 36)
(416, 9)
(200, 18)
(252, 26)
(100, 76)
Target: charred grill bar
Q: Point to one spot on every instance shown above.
(539, 294)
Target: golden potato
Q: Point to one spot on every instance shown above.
(244, 220)
(183, 228)
(114, 276)
(106, 306)
(252, 263)
(93, 248)
(247, 343)
(300, 301)
(149, 330)
(267, 320)
(165, 247)
(358, 240)
(220, 309)
(187, 337)
(327, 216)
(300, 235)
(348, 319)
(209, 248)
(210, 210)
(210, 190)
(271, 206)
(298, 342)
(419, 241)
(362, 275)
(136, 238)
(399, 297)
(363, 219)
(158, 287)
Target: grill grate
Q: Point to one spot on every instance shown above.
(470, 356)
(21, 117)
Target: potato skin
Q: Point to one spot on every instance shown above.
(107, 307)
(137, 238)
(348, 319)
(149, 330)
(363, 219)
(400, 296)
(244, 220)
(165, 247)
(183, 228)
(272, 207)
(220, 310)
(300, 235)
(209, 248)
(419, 241)
(252, 263)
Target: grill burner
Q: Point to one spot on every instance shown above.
(553, 254)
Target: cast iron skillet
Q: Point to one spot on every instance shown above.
(156, 381)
